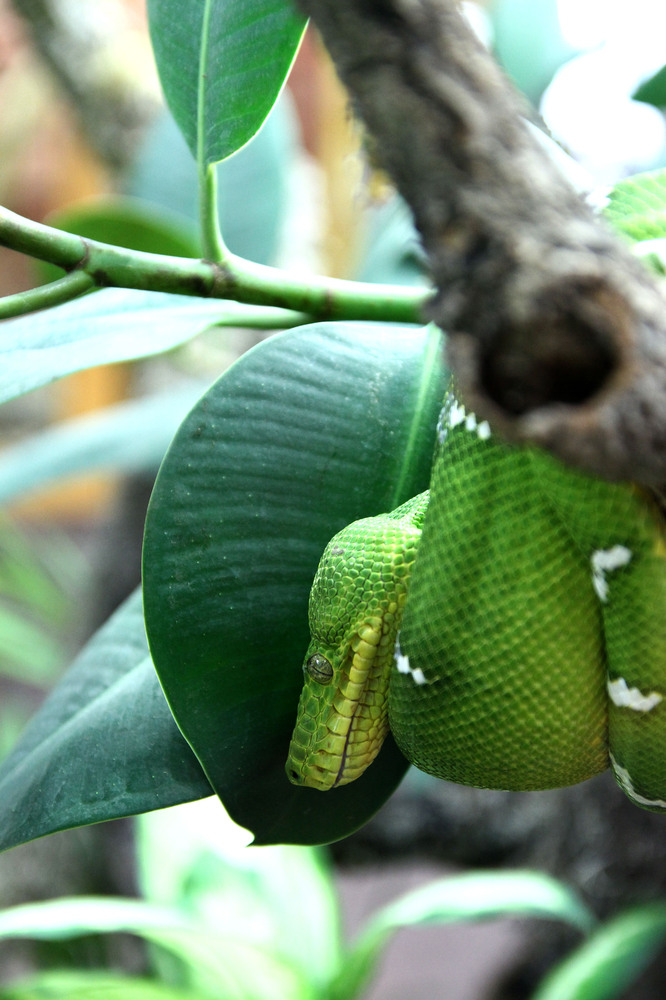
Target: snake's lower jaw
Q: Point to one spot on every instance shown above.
(311, 776)
(330, 766)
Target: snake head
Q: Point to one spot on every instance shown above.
(356, 604)
(343, 711)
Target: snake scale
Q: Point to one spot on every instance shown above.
(509, 627)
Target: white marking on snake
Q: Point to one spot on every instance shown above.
(456, 414)
(405, 667)
(625, 697)
(453, 414)
(605, 561)
(627, 786)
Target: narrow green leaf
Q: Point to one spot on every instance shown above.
(230, 967)
(103, 745)
(470, 897)
(607, 963)
(105, 440)
(74, 985)
(103, 327)
(222, 66)
(60, 919)
(310, 430)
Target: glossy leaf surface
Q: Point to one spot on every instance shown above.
(312, 429)
(222, 66)
(103, 745)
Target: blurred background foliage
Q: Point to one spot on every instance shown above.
(84, 140)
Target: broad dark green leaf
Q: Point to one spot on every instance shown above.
(103, 745)
(310, 430)
(222, 66)
(608, 962)
(104, 327)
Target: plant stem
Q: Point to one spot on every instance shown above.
(214, 247)
(233, 278)
(70, 286)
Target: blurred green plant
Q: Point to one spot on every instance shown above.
(40, 578)
(223, 922)
(226, 923)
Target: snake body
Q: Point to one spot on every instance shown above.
(509, 626)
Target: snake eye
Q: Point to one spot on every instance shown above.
(319, 669)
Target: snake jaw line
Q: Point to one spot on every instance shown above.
(356, 605)
(340, 731)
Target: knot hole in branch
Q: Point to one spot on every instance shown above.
(567, 352)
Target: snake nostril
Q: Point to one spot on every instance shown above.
(294, 776)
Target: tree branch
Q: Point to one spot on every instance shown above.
(557, 334)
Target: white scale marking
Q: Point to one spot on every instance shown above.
(405, 667)
(627, 786)
(605, 561)
(625, 697)
(454, 414)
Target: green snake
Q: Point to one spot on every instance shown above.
(508, 626)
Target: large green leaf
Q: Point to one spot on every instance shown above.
(112, 325)
(308, 431)
(222, 66)
(103, 745)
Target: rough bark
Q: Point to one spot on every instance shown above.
(556, 333)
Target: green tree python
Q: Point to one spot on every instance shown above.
(509, 626)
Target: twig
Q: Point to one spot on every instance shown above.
(556, 333)
(104, 265)
(45, 296)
